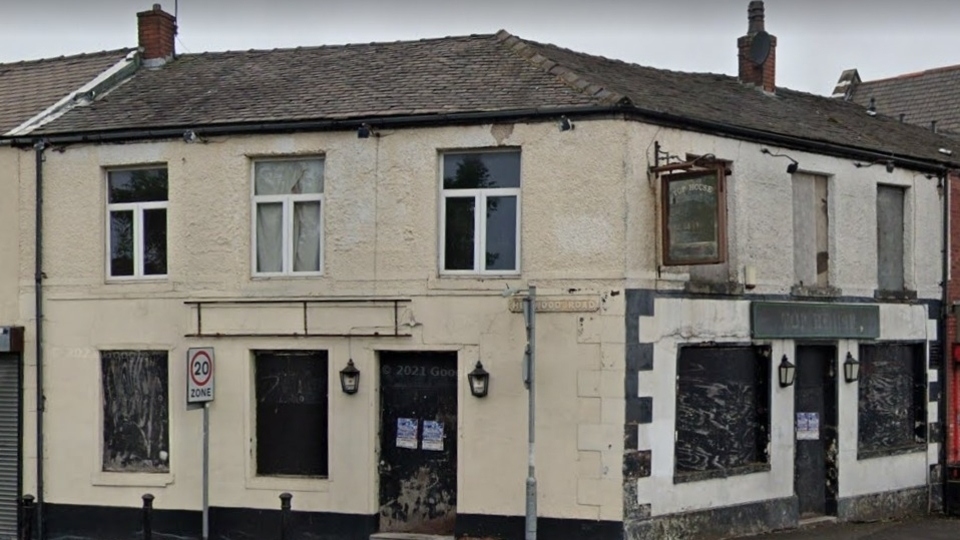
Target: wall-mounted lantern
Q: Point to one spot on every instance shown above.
(786, 372)
(350, 378)
(851, 368)
(479, 381)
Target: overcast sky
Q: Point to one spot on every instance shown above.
(817, 39)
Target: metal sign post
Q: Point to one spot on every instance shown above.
(200, 390)
(530, 318)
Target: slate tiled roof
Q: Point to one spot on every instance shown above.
(922, 97)
(28, 88)
(492, 73)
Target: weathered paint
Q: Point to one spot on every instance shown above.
(589, 222)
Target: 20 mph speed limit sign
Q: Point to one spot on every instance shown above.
(200, 375)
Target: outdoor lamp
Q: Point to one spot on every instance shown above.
(350, 378)
(479, 381)
(851, 368)
(787, 372)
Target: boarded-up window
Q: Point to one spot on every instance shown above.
(135, 413)
(810, 230)
(723, 408)
(291, 390)
(694, 218)
(890, 235)
(892, 412)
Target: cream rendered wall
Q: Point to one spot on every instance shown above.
(16, 284)
(9, 237)
(381, 223)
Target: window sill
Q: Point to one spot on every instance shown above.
(274, 277)
(131, 479)
(731, 288)
(289, 483)
(815, 291)
(904, 295)
(889, 452)
(699, 476)
(445, 274)
(121, 280)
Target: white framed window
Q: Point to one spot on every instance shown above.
(137, 218)
(474, 242)
(288, 217)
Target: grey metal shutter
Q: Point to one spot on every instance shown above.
(9, 444)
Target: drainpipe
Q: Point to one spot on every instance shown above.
(945, 355)
(39, 148)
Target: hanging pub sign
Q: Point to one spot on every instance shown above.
(694, 212)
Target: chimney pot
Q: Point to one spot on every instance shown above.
(755, 17)
(157, 31)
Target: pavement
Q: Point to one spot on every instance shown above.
(929, 528)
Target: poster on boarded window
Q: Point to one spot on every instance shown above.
(693, 213)
(432, 435)
(407, 432)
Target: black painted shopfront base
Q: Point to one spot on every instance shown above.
(490, 527)
(716, 523)
(81, 522)
(887, 505)
(77, 522)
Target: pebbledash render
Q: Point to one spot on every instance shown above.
(737, 311)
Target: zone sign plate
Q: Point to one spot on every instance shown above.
(200, 375)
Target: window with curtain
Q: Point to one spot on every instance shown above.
(481, 213)
(288, 216)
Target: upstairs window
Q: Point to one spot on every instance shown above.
(811, 256)
(480, 213)
(288, 217)
(890, 238)
(137, 216)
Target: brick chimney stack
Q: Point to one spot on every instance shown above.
(157, 31)
(757, 52)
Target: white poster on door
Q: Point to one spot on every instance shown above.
(432, 435)
(808, 426)
(407, 433)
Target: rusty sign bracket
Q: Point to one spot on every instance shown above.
(305, 303)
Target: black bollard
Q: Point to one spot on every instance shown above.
(284, 514)
(28, 512)
(147, 516)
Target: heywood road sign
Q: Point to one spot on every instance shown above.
(200, 375)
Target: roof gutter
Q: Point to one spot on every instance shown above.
(629, 111)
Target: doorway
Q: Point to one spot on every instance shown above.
(815, 460)
(418, 442)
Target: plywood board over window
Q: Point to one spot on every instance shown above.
(890, 238)
(811, 255)
(135, 411)
(694, 217)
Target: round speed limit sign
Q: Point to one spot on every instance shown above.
(200, 375)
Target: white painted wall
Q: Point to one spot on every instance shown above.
(686, 321)
(760, 229)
